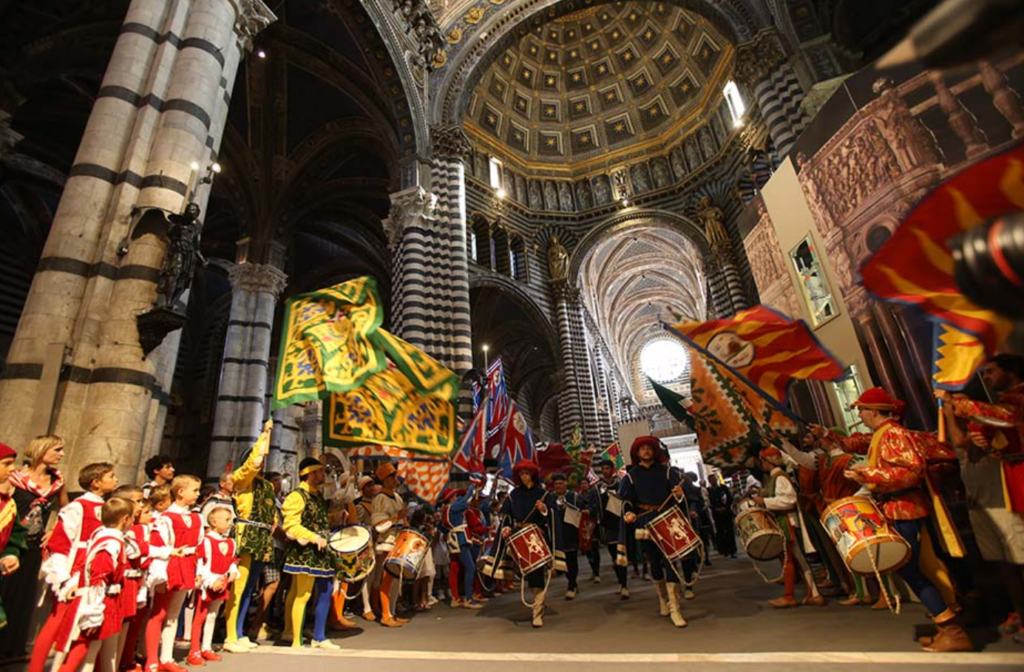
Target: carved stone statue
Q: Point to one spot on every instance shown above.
(659, 168)
(550, 196)
(182, 252)
(678, 162)
(602, 190)
(641, 179)
(707, 142)
(711, 217)
(584, 196)
(558, 260)
(565, 196)
(536, 197)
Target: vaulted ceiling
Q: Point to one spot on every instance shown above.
(582, 85)
(637, 278)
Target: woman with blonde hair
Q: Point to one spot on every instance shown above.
(39, 492)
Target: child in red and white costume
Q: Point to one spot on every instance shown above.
(136, 590)
(91, 628)
(66, 550)
(217, 569)
(181, 531)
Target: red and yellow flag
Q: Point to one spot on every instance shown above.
(916, 265)
(765, 348)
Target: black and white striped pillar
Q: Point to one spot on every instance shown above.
(241, 404)
(762, 67)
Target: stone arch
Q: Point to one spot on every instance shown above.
(624, 220)
(529, 305)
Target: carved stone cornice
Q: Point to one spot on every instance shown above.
(251, 17)
(421, 28)
(755, 60)
(413, 205)
(258, 278)
(450, 142)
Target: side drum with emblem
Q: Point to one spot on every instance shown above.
(405, 558)
(673, 534)
(529, 549)
(353, 547)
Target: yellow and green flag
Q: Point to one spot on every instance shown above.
(377, 389)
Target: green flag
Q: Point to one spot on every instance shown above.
(673, 403)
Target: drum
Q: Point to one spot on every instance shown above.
(744, 504)
(863, 537)
(587, 527)
(405, 558)
(354, 548)
(673, 534)
(759, 533)
(529, 549)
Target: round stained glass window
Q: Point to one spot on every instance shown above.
(663, 360)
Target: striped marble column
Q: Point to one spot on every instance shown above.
(430, 271)
(160, 108)
(240, 410)
(762, 67)
(577, 403)
(731, 296)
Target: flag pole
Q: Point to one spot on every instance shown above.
(942, 420)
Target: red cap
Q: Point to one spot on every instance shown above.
(660, 455)
(6, 451)
(879, 400)
(771, 454)
(525, 465)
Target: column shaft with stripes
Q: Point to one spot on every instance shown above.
(576, 401)
(241, 409)
(161, 107)
(430, 272)
(762, 67)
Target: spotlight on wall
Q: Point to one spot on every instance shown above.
(500, 193)
(215, 168)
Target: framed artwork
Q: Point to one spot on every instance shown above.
(813, 284)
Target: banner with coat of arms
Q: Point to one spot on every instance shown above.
(376, 387)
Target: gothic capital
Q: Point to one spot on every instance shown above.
(565, 292)
(251, 17)
(450, 142)
(407, 207)
(258, 278)
(756, 59)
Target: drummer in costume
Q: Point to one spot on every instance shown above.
(567, 533)
(894, 473)
(648, 485)
(779, 497)
(822, 483)
(341, 512)
(478, 526)
(389, 512)
(256, 517)
(990, 441)
(610, 524)
(524, 506)
(307, 558)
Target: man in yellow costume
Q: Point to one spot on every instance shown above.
(254, 526)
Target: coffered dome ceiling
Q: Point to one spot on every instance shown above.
(617, 76)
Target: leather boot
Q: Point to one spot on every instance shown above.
(538, 607)
(674, 600)
(662, 598)
(951, 636)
